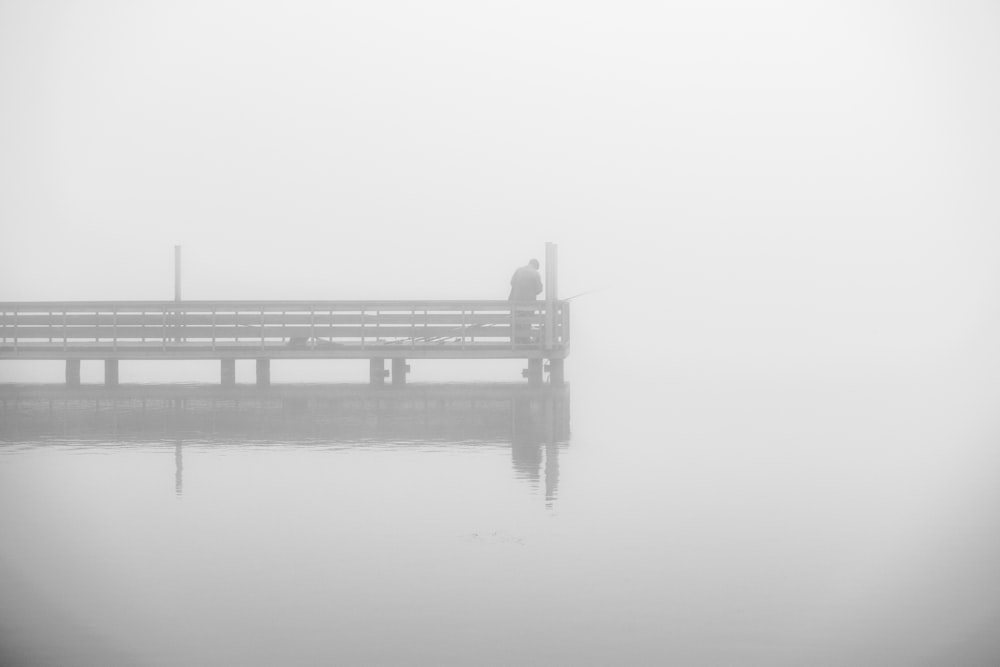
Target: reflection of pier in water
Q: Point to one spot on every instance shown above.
(532, 421)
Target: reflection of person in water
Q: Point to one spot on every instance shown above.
(525, 285)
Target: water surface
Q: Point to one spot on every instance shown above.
(470, 524)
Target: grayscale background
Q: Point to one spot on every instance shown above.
(784, 442)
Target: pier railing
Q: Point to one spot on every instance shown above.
(283, 329)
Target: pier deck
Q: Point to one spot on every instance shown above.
(264, 330)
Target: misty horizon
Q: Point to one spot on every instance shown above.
(778, 222)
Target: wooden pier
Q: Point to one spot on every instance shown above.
(537, 332)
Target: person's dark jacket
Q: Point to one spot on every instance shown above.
(525, 284)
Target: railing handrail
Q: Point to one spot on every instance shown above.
(298, 304)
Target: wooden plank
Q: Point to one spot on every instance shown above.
(183, 351)
(188, 319)
(223, 332)
(253, 306)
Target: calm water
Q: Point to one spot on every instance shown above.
(725, 524)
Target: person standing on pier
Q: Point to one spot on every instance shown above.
(526, 283)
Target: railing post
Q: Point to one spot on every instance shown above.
(513, 325)
(565, 315)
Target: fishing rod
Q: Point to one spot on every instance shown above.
(590, 291)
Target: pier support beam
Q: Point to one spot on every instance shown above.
(73, 372)
(399, 370)
(376, 372)
(228, 372)
(557, 376)
(263, 372)
(111, 372)
(534, 372)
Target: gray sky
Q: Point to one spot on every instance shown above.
(792, 209)
(829, 167)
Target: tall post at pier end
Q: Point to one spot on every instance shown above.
(557, 377)
(228, 372)
(555, 366)
(551, 291)
(534, 372)
(263, 372)
(177, 273)
(72, 372)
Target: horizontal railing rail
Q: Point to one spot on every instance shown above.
(308, 326)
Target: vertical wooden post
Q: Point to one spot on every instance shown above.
(551, 290)
(534, 371)
(177, 273)
(228, 372)
(551, 271)
(399, 370)
(73, 372)
(263, 372)
(557, 377)
(376, 372)
(111, 372)
(177, 293)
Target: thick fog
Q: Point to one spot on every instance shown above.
(816, 180)
(782, 219)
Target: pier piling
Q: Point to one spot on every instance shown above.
(228, 372)
(263, 372)
(73, 372)
(399, 370)
(534, 371)
(111, 372)
(376, 372)
(557, 376)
